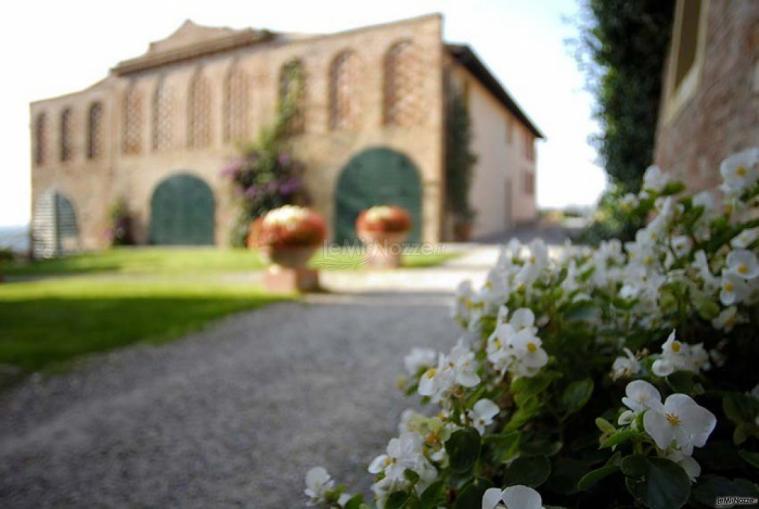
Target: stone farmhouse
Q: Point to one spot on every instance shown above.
(710, 95)
(158, 129)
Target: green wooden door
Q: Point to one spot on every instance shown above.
(377, 176)
(182, 212)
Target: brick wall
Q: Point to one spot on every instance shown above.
(721, 115)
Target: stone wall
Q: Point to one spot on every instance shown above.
(715, 112)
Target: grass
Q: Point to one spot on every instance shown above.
(148, 260)
(43, 323)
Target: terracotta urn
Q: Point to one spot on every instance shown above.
(383, 230)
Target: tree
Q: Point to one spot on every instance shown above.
(623, 48)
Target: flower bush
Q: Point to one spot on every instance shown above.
(616, 377)
(384, 219)
(289, 226)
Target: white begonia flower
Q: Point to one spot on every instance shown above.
(318, 483)
(503, 314)
(287, 216)
(654, 179)
(528, 353)
(498, 350)
(742, 263)
(641, 396)
(733, 289)
(625, 366)
(755, 391)
(457, 368)
(403, 453)
(482, 414)
(739, 171)
(705, 199)
(523, 318)
(462, 304)
(681, 245)
(626, 418)
(687, 463)
(680, 424)
(700, 262)
(513, 497)
(535, 262)
(419, 358)
(745, 238)
(629, 201)
(677, 356)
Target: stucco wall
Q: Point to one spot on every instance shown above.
(94, 185)
(716, 112)
(500, 161)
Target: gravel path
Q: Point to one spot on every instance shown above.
(229, 417)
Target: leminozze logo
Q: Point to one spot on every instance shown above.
(724, 502)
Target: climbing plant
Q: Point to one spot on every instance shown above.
(460, 160)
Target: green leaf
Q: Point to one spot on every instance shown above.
(463, 449)
(592, 477)
(752, 458)
(432, 497)
(355, 502)
(619, 437)
(397, 500)
(709, 487)
(565, 474)
(605, 426)
(411, 476)
(504, 446)
(526, 411)
(532, 471)
(576, 395)
(682, 381)
(667, 485)
(634, 466)
(471, 496)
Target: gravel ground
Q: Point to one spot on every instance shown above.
(229, 417)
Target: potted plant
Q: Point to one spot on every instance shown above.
(383, 229)
(288, 237)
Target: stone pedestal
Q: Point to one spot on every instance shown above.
(383, 257)
(280, 279)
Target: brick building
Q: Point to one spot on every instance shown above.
(710, 97)
(157, 130)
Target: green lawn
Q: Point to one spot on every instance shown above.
(148, 260)
(47, 321)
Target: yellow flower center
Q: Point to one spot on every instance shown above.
(676, 346)
(672, 419)
(497, 343)
(728, 287)
(741, 171)
(742, 268)
(430, 373)
(532, 347)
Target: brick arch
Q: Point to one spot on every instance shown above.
(402, 87)
(237, 104)
(162, 120)
(133, 111)
(293, 84)
(344, 91)
(95, 130)
(199, 126)
(55, 228)
(40, 138)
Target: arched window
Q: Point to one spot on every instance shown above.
(236, 105)
(66, 148)
(95, 131)
(40, 139)
(199, 112)
(163, 116)
(344, 100)
(131, 136)
(292, 95)
(403, 80)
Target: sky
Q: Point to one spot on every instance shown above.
(50, 48)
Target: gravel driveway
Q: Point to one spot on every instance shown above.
(229, 417)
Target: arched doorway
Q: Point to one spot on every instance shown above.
(377, 176)
(55, 230)
(182, 212)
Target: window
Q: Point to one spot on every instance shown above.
(95, 131)
(199, 112)
(529, 183)
(66, 148)
(528, 145)
(133, 119)
(344, 103)
(402, 88)
(40, 139)
(236, 105)
(292, 95)
(163, 116)
(687, 41)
